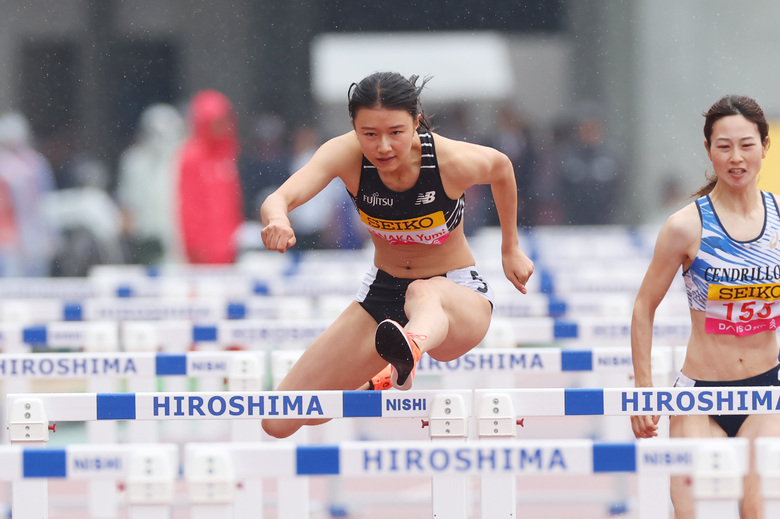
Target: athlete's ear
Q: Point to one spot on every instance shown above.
(417, 121)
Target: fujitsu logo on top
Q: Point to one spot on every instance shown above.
(375, 199)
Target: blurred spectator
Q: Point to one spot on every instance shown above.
(457, 123)
(88, 219)
(672, 198)
(27, 178)
(145, 186)
(588, 171)
(327, 220)
(10, 261)
(513, 138)
(209, 188)
(265, 164)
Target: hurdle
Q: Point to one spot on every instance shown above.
(181, 335)
(641, 401)
(530, 367)
(270, 306)
(242, 370)
(720, 473)
(45, 310)
(717, 465)
(148, 471)
(292, 334)
(213, 471)
(30, 414)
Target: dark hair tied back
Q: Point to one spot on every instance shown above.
(727, 105)
(388, 90)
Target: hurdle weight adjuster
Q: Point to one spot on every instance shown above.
(27, 421)
(448, 418)
(716, 473)
(496, 416)
(151, 477)
(210, 476)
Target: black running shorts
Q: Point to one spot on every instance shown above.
(383, 295)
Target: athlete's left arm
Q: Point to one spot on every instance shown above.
(470, 164)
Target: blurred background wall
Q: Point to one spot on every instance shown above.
(83, 70)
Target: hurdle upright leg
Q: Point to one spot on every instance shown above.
(103, 501)
(293, 492)
(496, 419)
(450, 493)
(28, 425)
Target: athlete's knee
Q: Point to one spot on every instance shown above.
(420, 288)
(279, 428)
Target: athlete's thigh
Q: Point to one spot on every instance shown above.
(468, 314)
(694, 426)
(689, 426)
(760, 425)
(754, 426)
(343, 357)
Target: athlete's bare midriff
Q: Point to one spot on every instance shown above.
(715, 357)
(422, 261)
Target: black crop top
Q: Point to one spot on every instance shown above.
(422, 214)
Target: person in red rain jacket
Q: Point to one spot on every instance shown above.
(209, 189)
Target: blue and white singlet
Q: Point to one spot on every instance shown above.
(737, 283)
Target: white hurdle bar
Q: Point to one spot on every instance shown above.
(173, 335)
(500, 367)
(214, 471)
(664, 401)
(717, 465)
(287, 333)
(446, 412)
(148, 472)
(666, 360)
(345, 404)
(233, 405)
(643, 401)
(242, 370)
(46, 310)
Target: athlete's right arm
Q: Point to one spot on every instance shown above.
(676, 245)
(328, 162)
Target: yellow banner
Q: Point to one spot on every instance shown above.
(767, 292)
(413, 224)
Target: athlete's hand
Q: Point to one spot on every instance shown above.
(517, 267)
(278, 235)
(645, 426)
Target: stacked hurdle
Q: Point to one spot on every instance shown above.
(716, 466)
(215, 308)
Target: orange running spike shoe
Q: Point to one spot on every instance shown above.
(399, 349)
(382, 380)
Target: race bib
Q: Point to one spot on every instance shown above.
(743, 309)
(430, 229)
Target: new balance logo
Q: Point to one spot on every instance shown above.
(425, 198)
